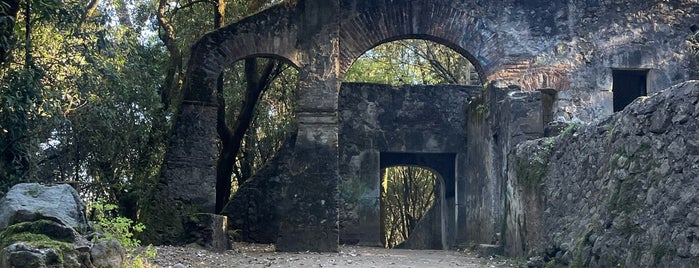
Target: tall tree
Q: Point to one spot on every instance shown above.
(232, 138)
(173, 76)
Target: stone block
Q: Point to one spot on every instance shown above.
(209, 231)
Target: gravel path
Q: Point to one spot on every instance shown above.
(256, 255)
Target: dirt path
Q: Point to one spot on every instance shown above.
(255, 255)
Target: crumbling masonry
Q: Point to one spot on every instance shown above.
(539, 61)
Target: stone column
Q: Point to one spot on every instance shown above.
(309, 214)
(190, 164)
(188, 180)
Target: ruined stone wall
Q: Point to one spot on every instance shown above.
(606, 35)
(569, 46)
(621, 191)
(500, 118)
(380, 118)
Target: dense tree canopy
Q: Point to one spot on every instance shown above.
(89, 89)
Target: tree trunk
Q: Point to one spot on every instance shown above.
(231, 139)
(91, 8)
(173, 76)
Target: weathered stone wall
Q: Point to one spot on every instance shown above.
(621, 191)
(254, 212)
(556, 45)
(606, 35)
(500, 118)
(376, 119)
(568, 46)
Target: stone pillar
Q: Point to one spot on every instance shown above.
(188, 180)
(309, 213)
(209, 231)
(189, 171)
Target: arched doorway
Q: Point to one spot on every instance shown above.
(260, 92)
(408, 194)
(421, 191)
(411, 108)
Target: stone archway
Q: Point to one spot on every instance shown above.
(381, 126)
(371, 23)
(533, 44)
(435, 230)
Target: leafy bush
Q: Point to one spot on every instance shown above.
(115, 227)
(122, 229)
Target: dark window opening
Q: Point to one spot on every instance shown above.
(548, 98)
(627, 86)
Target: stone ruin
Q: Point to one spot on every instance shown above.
(543, 64)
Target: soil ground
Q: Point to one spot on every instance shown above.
(258, 255)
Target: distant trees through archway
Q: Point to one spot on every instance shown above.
(412, 62)
(407, 193)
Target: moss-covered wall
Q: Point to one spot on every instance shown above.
(621, 191)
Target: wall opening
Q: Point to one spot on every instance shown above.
(548, 99)
(627, 86)
(433, 182)
(413, 62)
(259, 92)
(407, 194)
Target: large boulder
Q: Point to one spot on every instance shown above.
(108, 253)
(31, 201)
(45, 226)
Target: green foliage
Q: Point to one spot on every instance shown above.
(86, 109)
(115, 227)
(570, 129)
(142, 257)
(412, 62)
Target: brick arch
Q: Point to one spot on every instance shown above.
(275, 38)
(455, 26)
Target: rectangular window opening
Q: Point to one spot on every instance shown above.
(627, 86)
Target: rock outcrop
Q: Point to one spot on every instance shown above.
(45, 226)
(621, 191)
